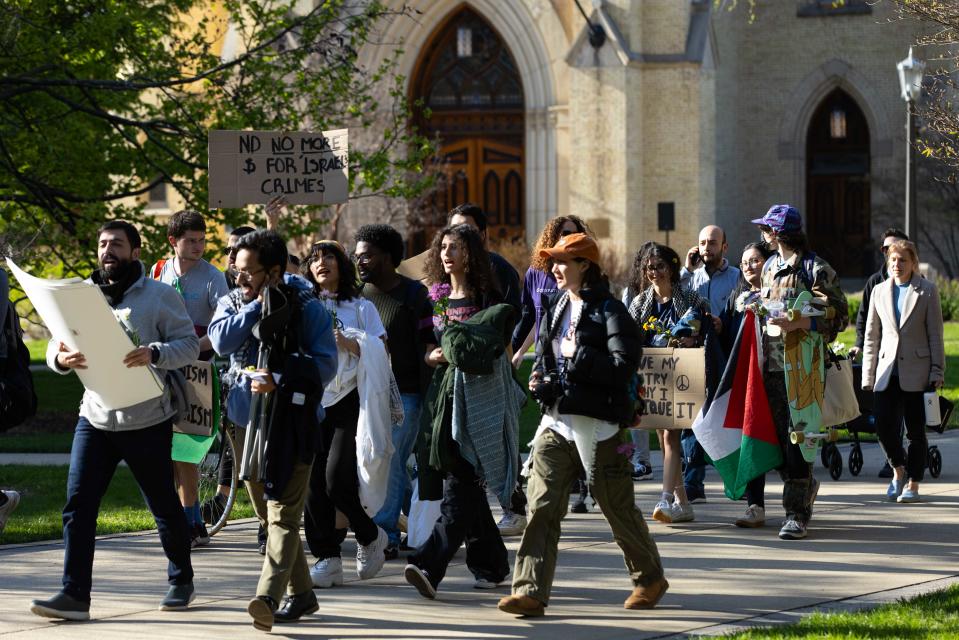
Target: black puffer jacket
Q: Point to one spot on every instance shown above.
(607, 354)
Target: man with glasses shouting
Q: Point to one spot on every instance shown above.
(891, 234)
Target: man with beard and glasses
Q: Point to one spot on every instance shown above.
(407, 314)
(302, 362)
(137, 435)
(708, 273)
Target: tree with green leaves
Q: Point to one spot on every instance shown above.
(101, 100)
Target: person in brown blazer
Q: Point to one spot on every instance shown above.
(903, 356)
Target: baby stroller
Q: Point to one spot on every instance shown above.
(866, 423)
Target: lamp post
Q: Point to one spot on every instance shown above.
(910, 85)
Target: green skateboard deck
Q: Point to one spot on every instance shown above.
(805, 380)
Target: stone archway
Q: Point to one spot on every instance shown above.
(541, 115)
(838, 212)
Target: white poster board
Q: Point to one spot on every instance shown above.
(252, 167)
(77, 314)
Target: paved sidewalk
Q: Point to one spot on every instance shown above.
(861, 551)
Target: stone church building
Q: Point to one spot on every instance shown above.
(689, 112)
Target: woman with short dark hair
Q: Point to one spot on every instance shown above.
(333, 483)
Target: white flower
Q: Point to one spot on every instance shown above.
(123, 315)
(741, 301)
(123, 318)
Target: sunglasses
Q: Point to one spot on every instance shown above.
(230, 251)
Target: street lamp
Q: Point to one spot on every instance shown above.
(910, 85)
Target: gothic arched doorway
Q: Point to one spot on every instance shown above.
(838, 213)
(468, 79)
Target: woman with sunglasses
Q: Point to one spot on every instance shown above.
(586, 353)
(458, 265)
(665, 304)
(334, 485)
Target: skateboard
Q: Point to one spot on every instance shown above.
(805, 374)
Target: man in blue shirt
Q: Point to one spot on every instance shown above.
(708, 273)
(300, 371)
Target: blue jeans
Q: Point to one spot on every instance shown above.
(93, 462)
(695, 472)
(404, 437)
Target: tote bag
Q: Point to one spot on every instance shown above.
(839, 404)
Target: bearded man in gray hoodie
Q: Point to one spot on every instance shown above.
(138, 435)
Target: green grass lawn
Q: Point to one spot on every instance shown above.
(931, 616)
(38, 350)
(43, 492)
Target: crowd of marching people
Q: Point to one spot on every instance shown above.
(377, 393)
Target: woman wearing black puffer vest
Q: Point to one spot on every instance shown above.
(587, 352)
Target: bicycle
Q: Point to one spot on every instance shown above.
(218, 468)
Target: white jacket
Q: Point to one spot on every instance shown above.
(374, 436)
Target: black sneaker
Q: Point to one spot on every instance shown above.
(886, 471)
(199, 536)
(579, 507)
(62, 607)
(391, 552)
(642, 471)
(261, 549)
(212, 509)
(178, 597)
(295, 607)
(421, 580)
(261, 609)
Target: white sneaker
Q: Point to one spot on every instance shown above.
(683, 512)
(483, 583)
(327, 572)
(663, 512)
(13, 499)
(370, 557)
(511, 524)
(755, 516)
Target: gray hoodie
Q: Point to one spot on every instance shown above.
(159, 316)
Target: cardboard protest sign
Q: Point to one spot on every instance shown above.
(198, 417)
(674, 382)
(252, 167)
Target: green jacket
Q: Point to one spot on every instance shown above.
(786, 280)
(471, 346)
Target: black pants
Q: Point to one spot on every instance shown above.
(795, 471)
(465, 517)
(892, 406)
(756, 491)
(518, 498)
(334, 484)
(93, 461)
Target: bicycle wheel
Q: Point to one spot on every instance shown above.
(218, 469)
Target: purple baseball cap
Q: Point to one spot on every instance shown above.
(782, 218)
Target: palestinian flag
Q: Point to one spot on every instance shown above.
(736, 427)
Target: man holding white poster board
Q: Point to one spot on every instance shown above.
(253, 167)
(154, 317)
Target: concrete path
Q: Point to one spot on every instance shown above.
(861, 551)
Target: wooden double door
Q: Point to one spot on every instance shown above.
(488, 173)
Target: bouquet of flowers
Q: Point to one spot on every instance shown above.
(662, 334)
(687, 326)
(440, 295)
(123, 318)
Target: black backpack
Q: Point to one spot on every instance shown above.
(18, 399)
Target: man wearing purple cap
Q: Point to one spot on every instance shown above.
(794, 268)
